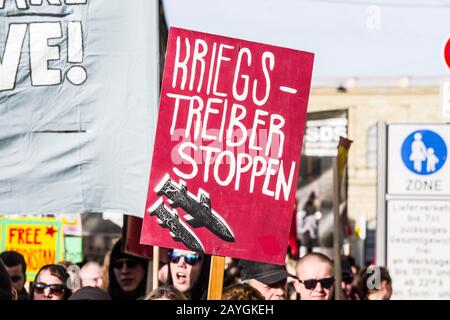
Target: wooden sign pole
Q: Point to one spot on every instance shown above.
(336, 232)
(149, 285)
(155, 267)
(152, 272)
(339, 165)
(216, 278)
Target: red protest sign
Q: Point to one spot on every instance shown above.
(131, 234)
(227, 147)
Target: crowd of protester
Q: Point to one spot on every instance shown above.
(186, 276)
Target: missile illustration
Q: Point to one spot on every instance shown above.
(179, 231)
(198, 209)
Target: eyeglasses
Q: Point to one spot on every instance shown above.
(55, 289)
(310, 284)
(129, 263)
(189, 258)
(16, 278)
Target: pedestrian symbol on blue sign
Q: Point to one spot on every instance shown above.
(424, 152)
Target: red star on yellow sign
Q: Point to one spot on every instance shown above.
(51, 231)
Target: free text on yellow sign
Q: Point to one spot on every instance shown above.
(39, 240)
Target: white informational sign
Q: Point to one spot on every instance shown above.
(418, 248)
(322, 136)
(418, 211)
(418, 163)
(445, 98)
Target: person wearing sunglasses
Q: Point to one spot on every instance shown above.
(50, 284)
(348, 287)
(17, 269)
(315, 278)
(127, 275)
(189, 272)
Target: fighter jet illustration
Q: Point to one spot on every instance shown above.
(168, 218)
(198, 208)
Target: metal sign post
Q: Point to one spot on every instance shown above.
(381, 195)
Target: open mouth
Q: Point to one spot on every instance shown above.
(181, 277)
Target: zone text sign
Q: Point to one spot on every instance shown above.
(418, 160)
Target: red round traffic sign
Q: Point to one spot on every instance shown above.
(447, 53)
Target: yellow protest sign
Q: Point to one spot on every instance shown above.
(39, 240)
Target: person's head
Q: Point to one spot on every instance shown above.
(163, 274)
(105, 271)
(241, 291)
(355, 268)
(418, 136)
(127, 275)
(232, 274)
(166, 293)
(315, 279)
(269, 279)
(347, 275)
(6, 288)
(189, 272)
(17, 268)
(50, 284)
(376, 283)
(90, 293)
(91, 275)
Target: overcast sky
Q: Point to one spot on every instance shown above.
(377, 39)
